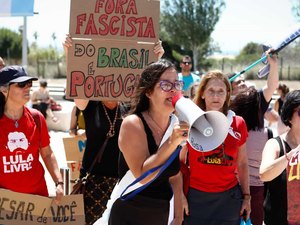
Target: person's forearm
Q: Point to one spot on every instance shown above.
(272, 82)
(268, 173)
(52, 166)
(176, 183)
(273, 78)
(243, 172)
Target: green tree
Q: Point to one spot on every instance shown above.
(189, 23)
(250, 53)
(10, 44)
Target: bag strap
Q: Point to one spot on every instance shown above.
(101, 149)
(147, 173)
(173, 121)
(98, 156)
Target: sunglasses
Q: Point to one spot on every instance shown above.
(24, 84)
(186, 63)
(167, 86)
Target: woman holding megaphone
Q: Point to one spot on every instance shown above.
(149, 135)
(219, 182)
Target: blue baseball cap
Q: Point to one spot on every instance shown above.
(14, 74)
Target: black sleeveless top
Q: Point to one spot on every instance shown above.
(160, 188)
(275, 203)
(96, 128)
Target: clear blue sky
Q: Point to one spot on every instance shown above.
(241, 22)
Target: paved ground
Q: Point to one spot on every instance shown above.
(59, 151)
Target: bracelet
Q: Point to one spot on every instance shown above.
(247, 196)
(58, 183)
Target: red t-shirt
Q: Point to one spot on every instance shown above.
(215, 171)
(293, 187)
(20, 168)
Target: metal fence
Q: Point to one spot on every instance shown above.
(49, 69)
(286, 71)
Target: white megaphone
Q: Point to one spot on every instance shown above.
(207, 129)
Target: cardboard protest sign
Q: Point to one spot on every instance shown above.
(113, 41)
(115, 19)
(74, 167)
(74, 147)
(26, 209)
(106, 70)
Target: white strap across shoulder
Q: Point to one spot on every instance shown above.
(230, 116)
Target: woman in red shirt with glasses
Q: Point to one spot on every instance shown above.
(24, 138)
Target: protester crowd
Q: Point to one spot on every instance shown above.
(250, 176)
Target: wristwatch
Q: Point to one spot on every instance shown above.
(58, 183)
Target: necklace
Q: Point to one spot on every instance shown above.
(111, 131)
(16, 123)
(161, 131)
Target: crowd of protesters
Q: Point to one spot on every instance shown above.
(254, 175)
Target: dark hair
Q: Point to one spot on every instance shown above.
(186, 57)
(284, 89)
(216, 74)
(149, 77)
(2, 100)
(193, 89)
(292, 101)
(247, 105)
(2, 104)
(43, 83)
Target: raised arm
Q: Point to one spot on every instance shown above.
(80, 103)
(158, 49)
(273, 77)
